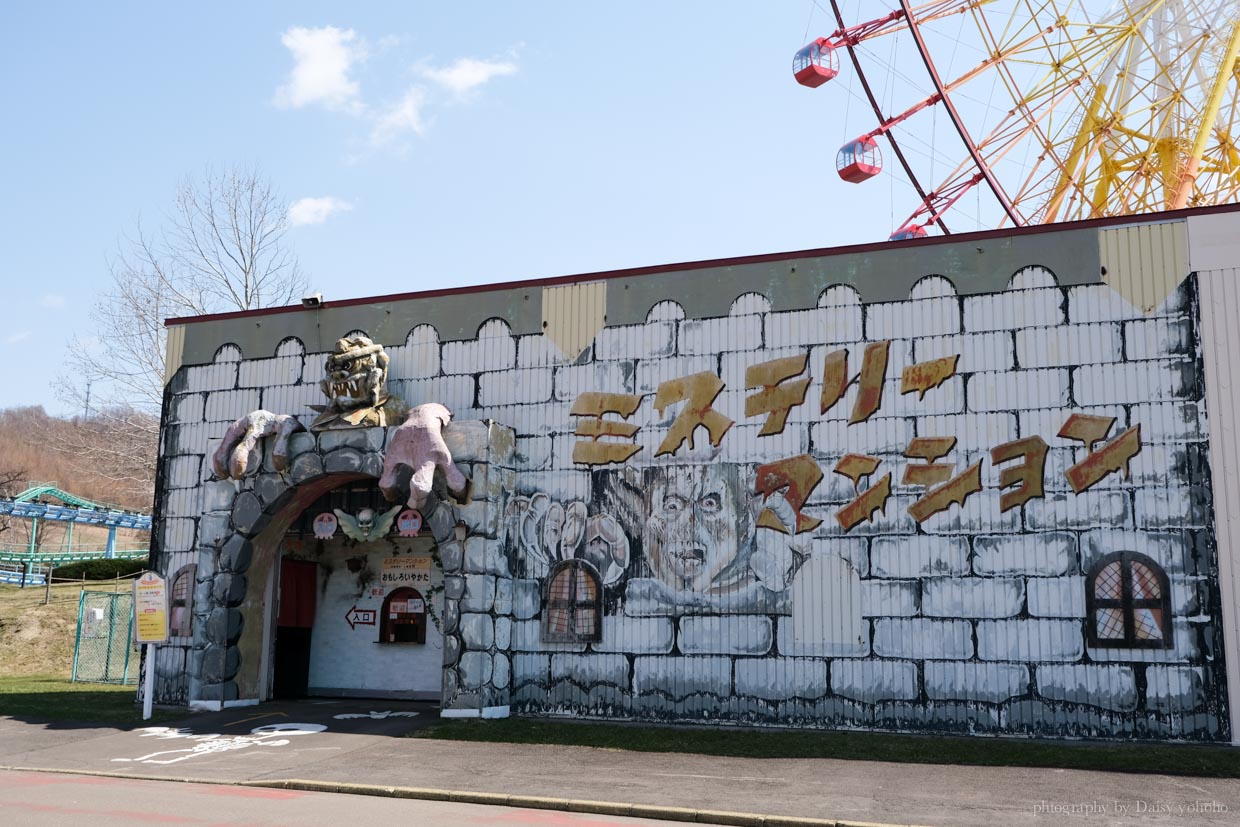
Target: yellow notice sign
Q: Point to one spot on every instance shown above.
(150, 608)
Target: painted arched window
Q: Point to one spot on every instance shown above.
(403, 617)
(1128, 598)
(572, 604)
(181, 603)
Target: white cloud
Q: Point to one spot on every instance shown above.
(322, 60)
(20, 336)
(467, 74)
(315, 210)
(53, 300)
(403, 116)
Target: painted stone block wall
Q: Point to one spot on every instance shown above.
(757, 563)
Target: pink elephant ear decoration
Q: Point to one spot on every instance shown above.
(415, 450)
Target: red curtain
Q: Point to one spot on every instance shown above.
(298, 588)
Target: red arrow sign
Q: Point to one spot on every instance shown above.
(360, 617)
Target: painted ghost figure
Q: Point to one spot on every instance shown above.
(699, 528)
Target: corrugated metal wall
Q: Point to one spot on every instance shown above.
(751, 568)
(1220, 335)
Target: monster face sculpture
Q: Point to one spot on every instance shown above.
(367, 525)
(356, 373)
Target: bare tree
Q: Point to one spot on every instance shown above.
(221, 248)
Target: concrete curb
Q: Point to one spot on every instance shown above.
(531, 802)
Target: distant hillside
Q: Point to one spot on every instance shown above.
(108, 458)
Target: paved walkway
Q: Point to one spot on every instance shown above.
(357, 742)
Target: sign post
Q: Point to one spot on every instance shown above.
(150, 608)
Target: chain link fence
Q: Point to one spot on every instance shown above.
(104, 651)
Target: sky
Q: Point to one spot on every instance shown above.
(420, 145)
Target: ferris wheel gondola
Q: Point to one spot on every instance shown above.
(1066, 110)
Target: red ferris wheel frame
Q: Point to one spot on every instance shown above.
(934, 203)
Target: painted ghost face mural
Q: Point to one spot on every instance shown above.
(699, 527)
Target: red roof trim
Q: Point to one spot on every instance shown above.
(1145, 218)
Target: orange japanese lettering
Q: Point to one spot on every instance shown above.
(1027, 476)
(594, 406)
(1099, 464)
(775, 398)
(799, 476)
(701, 390)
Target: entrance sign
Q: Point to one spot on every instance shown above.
(405, 571)
(150, 608)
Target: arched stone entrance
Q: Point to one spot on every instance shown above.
(243, 522)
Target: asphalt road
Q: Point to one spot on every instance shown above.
(356, 741)
(54, 800)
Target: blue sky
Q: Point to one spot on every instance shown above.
(443, 144)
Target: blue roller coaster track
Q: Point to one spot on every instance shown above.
(32, 504)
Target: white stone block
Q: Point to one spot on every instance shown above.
(729, 635)
(1014, 309)
(418, 357)
(1109, 687)
(680, 677)
(1065, 345)
(514, 387)
(261, 373)
(888, 598)
(1157, 338)
(182, 471)
(214, 377)
(977, 351)
(921, 638)
(588, 670)
(527, 637)
(972, 597)
(538, 351)
(1170, 421)
(1133, 382)
(709, 336)
(834, 438)
(637, 341)
(1031, 641)
(494, 348)
(1178, 507)
(912, 318)
(1018, 389)
(456, 392)
(812, 327)
(918, 556)
(975, 433)
(229, 406)
(985, 682)
(874, 681)
(187, 408)
(1089, 509)
(1047, 554)
(1174, 689)
(292, 399)
(1099, 303)
(525, 420)
(1056, 596)
(780, 679)
(603, 377)
(636, 635)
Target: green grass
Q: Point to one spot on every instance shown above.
(54, 699)
(1171, 759)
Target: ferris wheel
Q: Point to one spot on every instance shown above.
(1038, 112)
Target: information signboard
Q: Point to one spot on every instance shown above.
(150, 608)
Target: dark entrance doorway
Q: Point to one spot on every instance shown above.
(298, 588)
